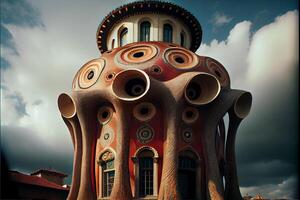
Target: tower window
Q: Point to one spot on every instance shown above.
(145, 31)
(113, 43)
(182, 39)
(123, 37)
(187, 177)
(168, 33)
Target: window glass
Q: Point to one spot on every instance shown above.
(108, 177)
(187, 177)
(145, 31)
(182, 39)
(146, 173)
(123, 37)
(168, 33)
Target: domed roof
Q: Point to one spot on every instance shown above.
(141, 7)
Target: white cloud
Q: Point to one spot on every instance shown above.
(220, 19)
(49, 57)
(286, 189)
(266, 64)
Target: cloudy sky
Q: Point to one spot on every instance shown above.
(43, 44)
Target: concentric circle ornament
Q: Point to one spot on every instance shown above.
(104, 114)
(181, 58)
(107, 136)
(144, 111)
(218, 71)
(187, 135)
(136, 54)
(190, 115)
(90, 73)
(145, 134)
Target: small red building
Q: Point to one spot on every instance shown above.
(42, 184)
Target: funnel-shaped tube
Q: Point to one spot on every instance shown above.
(202, 89)
(66, 105)
(242, 105)
(131, 84)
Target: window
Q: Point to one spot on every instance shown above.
(146, 176)
(123, 37)
(182, 39)
(107, 172)
(113, 43)
(168, 33)
(145, 167)
(187, 173)
(145, 31)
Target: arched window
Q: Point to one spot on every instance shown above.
(107, 173)
(189, 175)
(113, 43)
(182, 39)
(145, 161)
(123, 37)
(146, 173)
(145, 31)
(168, 33)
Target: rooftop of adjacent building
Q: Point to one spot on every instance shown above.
(33, 179)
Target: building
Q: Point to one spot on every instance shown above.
(146, 117)
(43, 184)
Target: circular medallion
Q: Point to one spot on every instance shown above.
(145, 134)
(107, 136)
(90, 73)
(190, 115)
(218, 71)
(187, 135)
(180, 58)
(144, 111)
(104, 114)
(136, 54)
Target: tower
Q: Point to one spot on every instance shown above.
(146, 117)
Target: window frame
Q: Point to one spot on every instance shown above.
(105, 157)
(171, 31)
(123, 32)
(136, 159)
(148, 28)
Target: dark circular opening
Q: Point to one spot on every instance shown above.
(108, 52)
(90, 75)
(135, 87)
(105, 114)
(193, 91)
(218, 73)
(138, 54)
(179, 60)
(187, 134)
(144, 111)
(189, 114)
(110, 76)
(106, 136)
(156, 69)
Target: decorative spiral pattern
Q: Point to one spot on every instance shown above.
(187, 135)
(144, 111)
(180, 58)
(190, 115)
(90, 73)
(104, 114)
(107, 136)
(145, 134)
(137, 54)
(218, 71)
